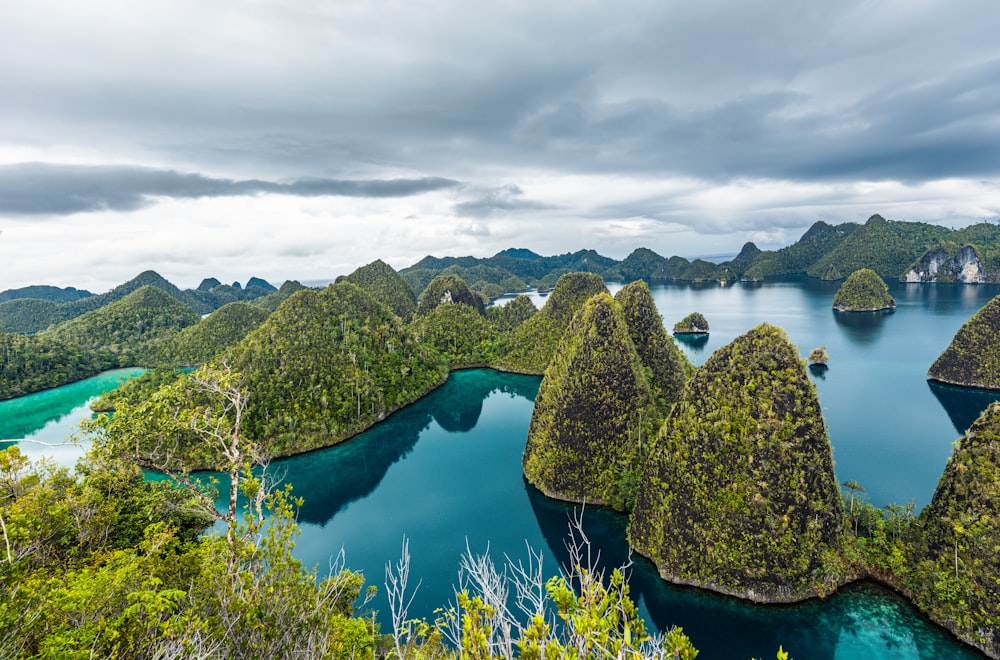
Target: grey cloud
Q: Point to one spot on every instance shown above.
(493, 201)
(41, 188)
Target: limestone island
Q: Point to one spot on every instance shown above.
(863, 291)
(692, 324)
(972, 357)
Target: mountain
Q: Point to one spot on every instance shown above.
(198, 343)
(34, 363)
(973, 357)
(328, 364)
(448, 289)
(43, 292)
(533, 343)
(385, 285)
(739, 494)
(133, 328)
(863, 291)
(954, 552)
(585, 439)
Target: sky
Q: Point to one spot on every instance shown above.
(299, 139)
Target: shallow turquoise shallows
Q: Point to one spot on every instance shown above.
(446, 472)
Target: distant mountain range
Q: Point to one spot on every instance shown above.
(908, 251)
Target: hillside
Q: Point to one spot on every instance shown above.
(198, 343)
(533, 343)
(863, 291)
(42, 292)
(35, 363)
(973, 357)
(585, 439)
(739, 495)
(134, 329)
(328, 364)
(386, 286)
(28, 315)
(954, 557)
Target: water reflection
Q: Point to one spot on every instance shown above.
(819, 370)
(862, 328)
(963, 404)
(695, 341)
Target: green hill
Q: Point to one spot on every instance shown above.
(955, 574)
(739, 495)
(213, 334)
(328, 364)
(42, 292)
(798, 258)
(134, 328)
(533, 343)
(973, 357)
(863, 291)
(887, 247)
(585, 439)
(668, 368)
(445, 289)
(35, 363)
(385, 285)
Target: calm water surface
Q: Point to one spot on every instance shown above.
(446, 471)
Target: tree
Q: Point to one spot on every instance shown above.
(819, 356)
(855, 488)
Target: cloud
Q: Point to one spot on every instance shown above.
(55, 189)
(502, 199)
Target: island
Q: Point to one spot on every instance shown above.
(863, 291)
(692, 324)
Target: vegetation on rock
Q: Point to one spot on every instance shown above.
(33, 363)
(819, 356)
(592, 410)
(693, 323)
(739, 494)
(863, 291)
(973, 357)
(134, 329)
(460, 334)
(385, 285)
(533, 343)
(327, 365)
(213, 334)
(668, 368)
(954, 572)
(448, 289)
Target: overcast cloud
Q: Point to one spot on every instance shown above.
(300, 139)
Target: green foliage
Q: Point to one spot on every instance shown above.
(211, 335)
(273, 300)
(973, 357)
(954, 571)
(328, 364)
(799, 257)
(385, 285)
(885, 246)
(739, 494)
(863, 291)
(593, 408)
(27, 315)
(42, 292)
(639, 265)
(34, 363)
(513, 314)
(460, 334)
(134, 328)
(693, 323)
(668, 368)
(533, 343)
(448, 289)
(818, 356)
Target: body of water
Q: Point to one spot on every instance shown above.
(446, 472)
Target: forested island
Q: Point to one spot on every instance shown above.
(863, 291)
(726, 470)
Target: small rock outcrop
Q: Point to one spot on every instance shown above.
(692, 324)
(863, 291)
(973, 357)
(942, 264)
(739, 494)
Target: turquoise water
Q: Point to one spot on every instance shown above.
(446, 471)
(51, 417)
